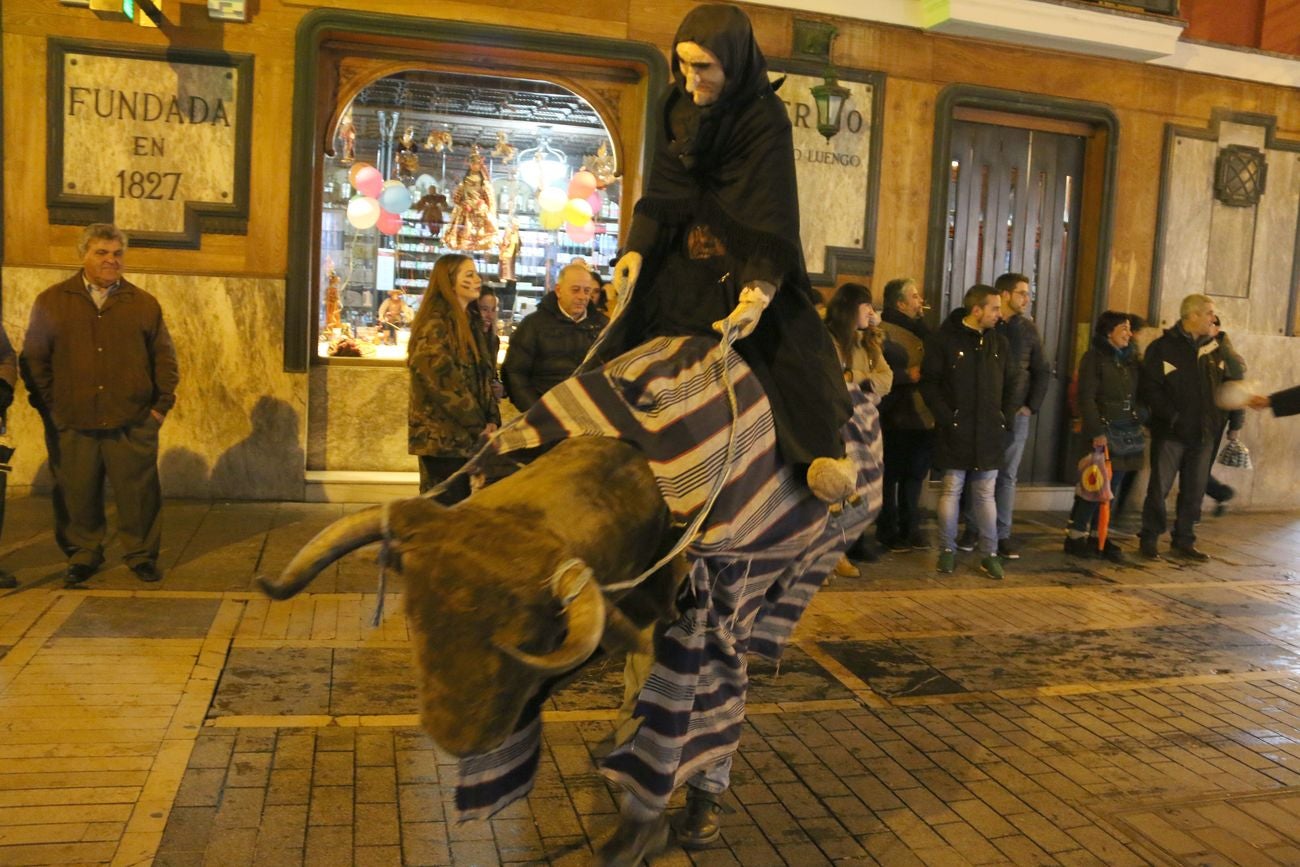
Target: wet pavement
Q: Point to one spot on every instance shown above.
(1074, 713)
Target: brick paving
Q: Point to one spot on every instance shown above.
(1074, 713)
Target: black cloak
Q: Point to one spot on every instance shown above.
(729, 167)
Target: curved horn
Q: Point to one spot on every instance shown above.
(586, 622)
(343, 536)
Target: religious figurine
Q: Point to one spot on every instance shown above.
(408, 162)
(438, 140)
(601, 164)
(473, 224)
(347, 139)
(333, 307)
(431, 207)
(508, 253)
(504, 150)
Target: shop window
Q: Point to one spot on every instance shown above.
(517, 173)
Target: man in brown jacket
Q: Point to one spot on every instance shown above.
(100, 363)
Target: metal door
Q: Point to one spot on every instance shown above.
(1013, 205)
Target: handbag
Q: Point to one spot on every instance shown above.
(1125, 438)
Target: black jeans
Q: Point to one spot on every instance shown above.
(434, 469)
(1191, 466)
(907, 465)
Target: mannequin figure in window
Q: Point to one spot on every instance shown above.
(452, 404)
(715, 240)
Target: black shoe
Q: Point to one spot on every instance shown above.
(1149, 549)
(7, 580)
(1114, 554)
(147, 572)
(1079, 547)
(633, 842)
(1008, 551)
(918, 541)
(1189, 552)
(895, 544)
(77, 574)
(967, 540)
(698, 826)
(862, 551)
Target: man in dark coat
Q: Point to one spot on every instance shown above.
(8, 375)
(551, 342)
(905, 422)
(100, 362)
(967, 382)
(1181, 372)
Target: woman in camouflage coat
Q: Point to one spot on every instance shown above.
(452, 404)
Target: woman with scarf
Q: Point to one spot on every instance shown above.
(1108, 380)
(715, 241)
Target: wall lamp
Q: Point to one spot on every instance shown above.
(812, 41)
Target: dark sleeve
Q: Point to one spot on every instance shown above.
(1040, 373)
(38, 350)
(8, 361)
(1286, 401)
(641, 237)
(896, 357)
(1151, 385)
(932, 383)
(1089, 386)
(166, 373)
(1009, 373)
(1236, 419)
(517, 369)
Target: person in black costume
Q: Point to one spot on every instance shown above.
(718, 233)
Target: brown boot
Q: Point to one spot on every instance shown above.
(633, 841)
(698, 827)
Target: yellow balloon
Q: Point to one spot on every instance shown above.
(552, 200)
(551, 219)
(578, 212)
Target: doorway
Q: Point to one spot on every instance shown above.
(1013, 205)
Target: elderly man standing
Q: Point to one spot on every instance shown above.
(1181, 371)
(101, 363)
(551, 342)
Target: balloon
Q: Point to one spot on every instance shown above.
(582, 184)
(356, 167)
(577, 212)
(551, 200)
(1234, 394)
(596, 203)
(423, 183)
(581, 234)
(395, 197)
(389, 224)
(363, 212)
(369, 182)
(551, 220)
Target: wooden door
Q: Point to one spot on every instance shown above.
(1013, 205)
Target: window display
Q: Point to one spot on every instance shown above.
(518, 174)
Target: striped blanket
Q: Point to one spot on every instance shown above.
(766, 546)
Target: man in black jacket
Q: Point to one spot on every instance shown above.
(1181, 371)
(967, 381)
(552, 340)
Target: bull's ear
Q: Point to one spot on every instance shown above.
(414, 515)
(569, 579)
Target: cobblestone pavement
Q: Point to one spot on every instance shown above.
(1074, 713)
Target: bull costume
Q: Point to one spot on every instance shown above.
(719, 222)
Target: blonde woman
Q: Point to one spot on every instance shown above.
(452, 404)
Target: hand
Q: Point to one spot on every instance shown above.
(490, 429)
(1024, 410)
(1099, 441)
(157, 416)
(626, 271)
(741, 322)
(1259, 401)
(914, 373)
(1232, 435)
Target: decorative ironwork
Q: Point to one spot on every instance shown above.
(1240, 173)
(1158, 7)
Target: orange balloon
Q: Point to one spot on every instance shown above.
(352, 172)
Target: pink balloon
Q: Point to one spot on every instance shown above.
(596, 204)
(369, 182)
(389, 224)
(581, 234)
(582, 184)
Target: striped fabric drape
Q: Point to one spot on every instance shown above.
(765, 548)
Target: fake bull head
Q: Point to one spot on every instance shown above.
(503, 591)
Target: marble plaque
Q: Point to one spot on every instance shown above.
(834, 176)
(149, 142)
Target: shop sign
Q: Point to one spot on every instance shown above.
(156, 141)
(836, 177)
